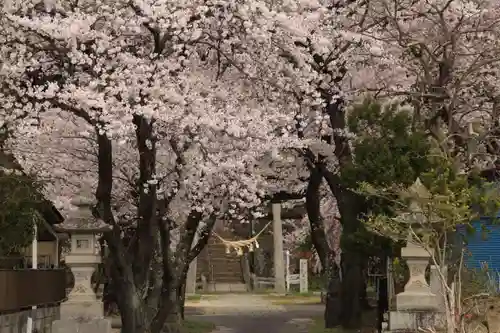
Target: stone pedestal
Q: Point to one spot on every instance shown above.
(417, 295)
(91, 326)
(82, 302)
(417, 305)
(82, 312)
(412, 321)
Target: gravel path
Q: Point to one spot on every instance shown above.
(246, 313)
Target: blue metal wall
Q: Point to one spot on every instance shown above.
(484, 247)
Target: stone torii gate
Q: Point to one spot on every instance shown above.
(276, 213)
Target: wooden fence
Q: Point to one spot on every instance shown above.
(20, 289)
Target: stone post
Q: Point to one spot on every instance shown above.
(417, 294)
(304, 284)
(191, 278)
(437, 286)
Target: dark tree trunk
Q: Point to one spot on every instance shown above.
(326, 255)
(174, 320)
(365, 304)
(350, 206)
(382, 302)
(178, 296)
(352, 261)
(352, 281)
(122, 273)
(180, 292)
(333, 308)
(182, 300)
(318, 235)
(129, 306)
(148, 285)
(129, 279)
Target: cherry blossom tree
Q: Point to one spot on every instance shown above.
(301, 51)
(437, 56)
(133, 104)
(311, 48)
(440, 57)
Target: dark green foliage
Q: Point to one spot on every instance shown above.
(19, 199)
(387, 148)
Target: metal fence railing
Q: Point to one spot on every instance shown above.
(20, 289)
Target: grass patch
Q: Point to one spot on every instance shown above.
(193, 298)
(294, 298)
(197, 326)
(260, 291)
(292, 294)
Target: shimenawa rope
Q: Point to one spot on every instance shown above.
(238, 246)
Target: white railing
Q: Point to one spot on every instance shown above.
(296, 279)
(300, 279)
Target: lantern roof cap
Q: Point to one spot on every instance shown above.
(81, 219)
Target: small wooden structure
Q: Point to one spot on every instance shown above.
(22, 289)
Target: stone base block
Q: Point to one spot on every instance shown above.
(409, 301)
(72, 325)
(414, 321)
(82, 310)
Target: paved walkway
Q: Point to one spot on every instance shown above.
(247, 313)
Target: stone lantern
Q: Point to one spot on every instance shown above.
(417, 294)
(83, 260)
(416, 306)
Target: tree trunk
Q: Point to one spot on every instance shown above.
(365, 305)
(174, 319)
(318, 235)
(326, 255)
(352, 282)
(181, 297)
(130, 309)
(350, 206)
(334, 294)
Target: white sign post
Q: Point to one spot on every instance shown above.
(304, 285)
(287, 270)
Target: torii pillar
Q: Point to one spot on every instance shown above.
(279, 265)
(191, 276)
